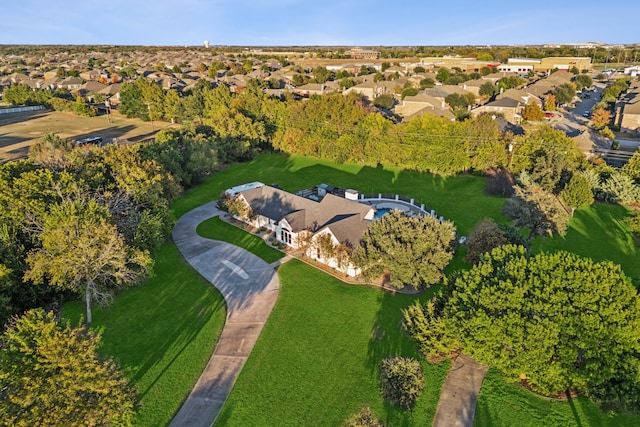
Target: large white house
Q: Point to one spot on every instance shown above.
(325, 229)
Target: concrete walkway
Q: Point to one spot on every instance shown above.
(249, 286)
(457, 405)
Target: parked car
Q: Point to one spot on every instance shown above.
(548, 115)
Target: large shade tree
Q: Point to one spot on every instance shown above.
(542, 212)
(558, 320)
(51, 375)
(82, 252)
(410, 250)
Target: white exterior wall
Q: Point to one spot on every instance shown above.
(312, 252)
(515, 68)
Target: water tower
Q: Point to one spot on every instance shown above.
(206, 43)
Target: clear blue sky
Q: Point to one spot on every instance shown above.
(317, 22)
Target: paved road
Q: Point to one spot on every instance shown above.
(575, 125)
(457, 405)
(250, 288)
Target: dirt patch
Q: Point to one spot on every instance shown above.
(18, 131)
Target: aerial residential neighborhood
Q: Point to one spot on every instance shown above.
(319, 214)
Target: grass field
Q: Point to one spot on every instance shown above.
(161, 333)
(316, 362)
(18, 131)
(598, 232)
(460, 199)
(215, 228)
(502, 404)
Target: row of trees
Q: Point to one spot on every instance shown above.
(59, 99)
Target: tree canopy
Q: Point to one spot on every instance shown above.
(81, 251)
(411, 250)
(540, 211)
(51, 375)
(558, 320)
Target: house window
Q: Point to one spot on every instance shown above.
(285, 236)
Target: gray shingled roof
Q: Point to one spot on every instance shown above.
(345, 218)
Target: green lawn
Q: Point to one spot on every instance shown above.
(598, 232)
(316, 361)
(460, 199)
(215, 228)
(504, 404)
(161, 333)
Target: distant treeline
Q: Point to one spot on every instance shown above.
(59, 99)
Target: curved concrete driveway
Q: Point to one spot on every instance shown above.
(249, 286)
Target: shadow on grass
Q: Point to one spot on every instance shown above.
(154, 331)
(388, 339)
(598, 232)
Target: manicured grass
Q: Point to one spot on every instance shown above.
(598, 232)
(504, 404)
(161, 333)
(316, 361)
(460, 199)
(217, 229)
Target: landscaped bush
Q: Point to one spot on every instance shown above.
(540, 211)
(500, 182)
(364, 418)
(620, 188)
(402, 380)
(607, 133)
(487, 235)
(426, 325)
(577, 193)
(633, 222)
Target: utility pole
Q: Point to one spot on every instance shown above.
(511, 150)
(150, 118)
(107, 107)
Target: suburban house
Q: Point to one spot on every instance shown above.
(372, 90)
(412, 106)
(521, 95)
(326, 229)
(628, 109)
(316, 89)
(510, 108)
(442, 91)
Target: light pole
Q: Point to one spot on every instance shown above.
(107, 107)
(512, 147)
(150, 117)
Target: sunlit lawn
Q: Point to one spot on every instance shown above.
(215, 228)
(598, 232)
(316, 362)
(503, 404)
(162, 334)
(460, 199)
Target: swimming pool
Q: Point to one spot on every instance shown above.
(381, 212)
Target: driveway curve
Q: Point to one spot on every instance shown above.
(250, 288)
